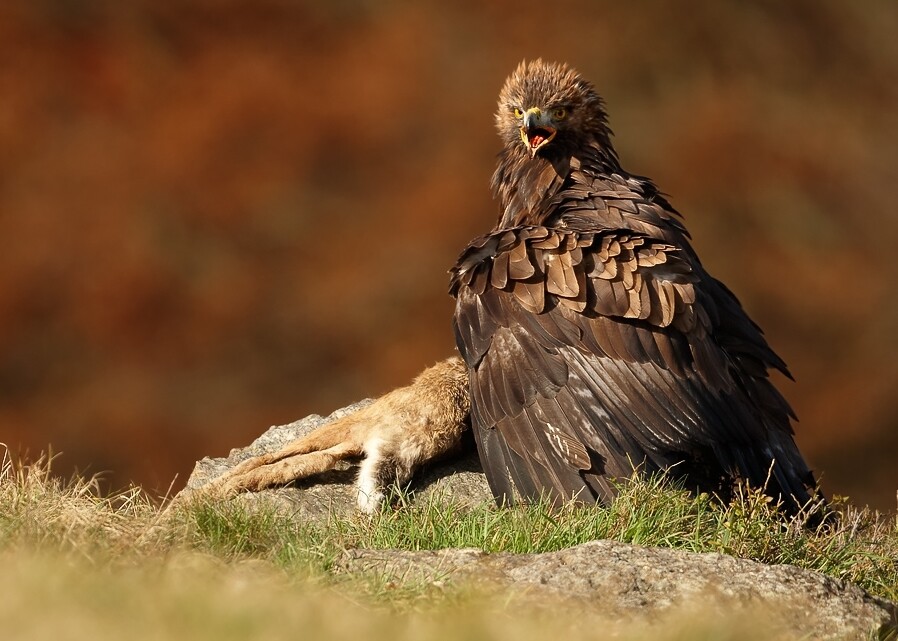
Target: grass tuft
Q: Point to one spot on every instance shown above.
(860, 545)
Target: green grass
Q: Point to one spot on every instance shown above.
(228, 571)
(860, 546)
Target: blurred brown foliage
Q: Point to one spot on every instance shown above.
(219, 215)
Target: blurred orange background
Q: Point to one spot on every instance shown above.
(220, 215)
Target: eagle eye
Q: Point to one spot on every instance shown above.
(559, 113)
(518, 113)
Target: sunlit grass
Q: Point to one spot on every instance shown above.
(235, 569)
(860, 546)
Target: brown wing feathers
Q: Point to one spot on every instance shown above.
(534, 313)
(588, 357)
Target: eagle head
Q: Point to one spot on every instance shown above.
(549, 109)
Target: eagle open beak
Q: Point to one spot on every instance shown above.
(536, 130)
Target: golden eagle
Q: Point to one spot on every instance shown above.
(595, 341)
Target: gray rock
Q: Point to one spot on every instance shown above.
(619, 580)
(333, 492)
(628, 582)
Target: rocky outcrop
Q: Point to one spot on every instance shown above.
(619, 580)
(629, 581)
